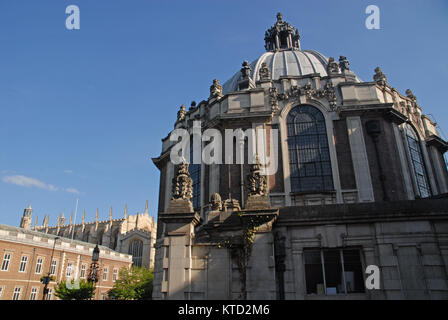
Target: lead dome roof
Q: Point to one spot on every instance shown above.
(284, 57)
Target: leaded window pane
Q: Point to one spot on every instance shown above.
(417, 163)
(309, 156)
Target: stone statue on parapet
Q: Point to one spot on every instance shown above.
(215, 89)
(332, 67)
(379, 77)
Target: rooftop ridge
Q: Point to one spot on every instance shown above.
(48, 235)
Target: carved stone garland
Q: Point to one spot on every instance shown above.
(307, 90)
(273, 99)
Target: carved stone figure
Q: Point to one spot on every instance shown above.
(216, 202)
(264, 73)
(215, 89)
(379, 77)
(332, 66)
(182, 183)
(257, 183)
(344, 63)
(245, 70)
(410, 95)
(181, 113)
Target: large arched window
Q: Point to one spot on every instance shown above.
(309, 156)
(136, 250)
(417, 165)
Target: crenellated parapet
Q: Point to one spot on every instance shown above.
(110, 232)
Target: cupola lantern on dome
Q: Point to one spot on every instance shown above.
(282, 36)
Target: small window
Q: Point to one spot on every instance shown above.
(69, 270)
(53, 267)
(105, 274)
(16, 294)
(83, 271)
(39, 265)
(115, 275)
(103, 296)
(283, 39)
(23, 263)
(34, 292)
(333, 271)
(49, 294)
(6, 260)
(2, 288)
(313, 272)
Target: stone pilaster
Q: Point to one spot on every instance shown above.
(178, 224)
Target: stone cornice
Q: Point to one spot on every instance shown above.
(438, 142)
(412, 210)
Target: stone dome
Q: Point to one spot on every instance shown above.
(284, 63)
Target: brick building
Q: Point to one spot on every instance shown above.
(132, 234)
(25, 257)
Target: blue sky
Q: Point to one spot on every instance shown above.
(83, 111)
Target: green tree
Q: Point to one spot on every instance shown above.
(133, 284)
(84, 291)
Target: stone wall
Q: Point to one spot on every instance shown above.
(407, 240)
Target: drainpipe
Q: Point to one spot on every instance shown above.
(241, 142)
(280, 255)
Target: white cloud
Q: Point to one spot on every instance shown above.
(73, 190)
(28, 182)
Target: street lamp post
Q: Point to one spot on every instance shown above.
(46, 280)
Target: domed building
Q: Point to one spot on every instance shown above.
(355, 207)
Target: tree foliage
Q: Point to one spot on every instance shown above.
(133, 284)
(84, 291)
